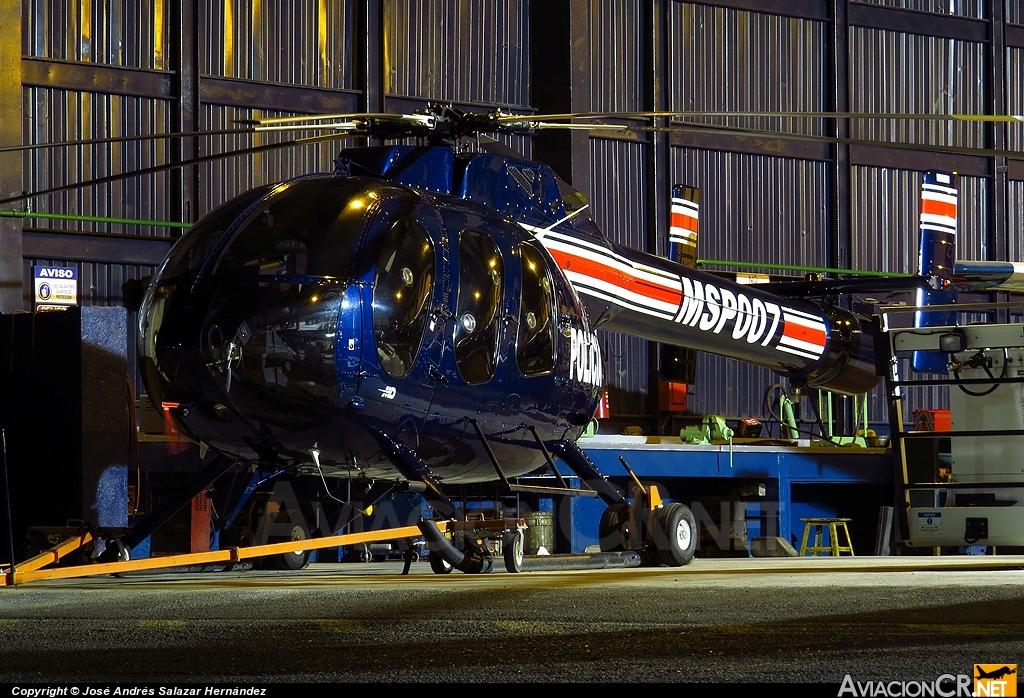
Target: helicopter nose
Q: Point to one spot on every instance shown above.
(272, 353)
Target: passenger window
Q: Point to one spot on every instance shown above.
(535, 350)
(402, 288)
(478, 311)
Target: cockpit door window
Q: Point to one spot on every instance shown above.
(535, 346)
(402, 288)
(478, 312)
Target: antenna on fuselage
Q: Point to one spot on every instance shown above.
(543, 231)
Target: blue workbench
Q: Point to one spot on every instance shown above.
(799, 481)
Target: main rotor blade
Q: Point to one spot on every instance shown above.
(340, 126)
(320, 117)
(511, 118)
(758, 133)
(545, 126)
(175, 166)
(124, 139)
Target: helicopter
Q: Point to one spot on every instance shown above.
(426, 316)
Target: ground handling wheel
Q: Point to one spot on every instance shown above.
(512, 545)
(289, 527)
(613, 530)
(675, 534)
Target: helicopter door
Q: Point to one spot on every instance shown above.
(478, 309)
(407, 330)
(535, 345)
(472, 385)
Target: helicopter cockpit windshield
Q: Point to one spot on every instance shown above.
(265, 280)
(270, 331)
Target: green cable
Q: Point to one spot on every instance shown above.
(93, 219)
(793, 267)
(715, 262)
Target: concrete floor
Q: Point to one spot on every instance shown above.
(762, 620)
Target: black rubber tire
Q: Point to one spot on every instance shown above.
(298, 531)
(239, 534)
(613, 531)
(675, 534)
(438, 564)
(512, 546)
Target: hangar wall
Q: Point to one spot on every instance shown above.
(99, 68)
(804, 203)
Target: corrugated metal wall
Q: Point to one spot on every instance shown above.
(113, 32)
(457, 50)
(617, 175)
(1015, 219)
(960, 8)
(616, 45)
(55, 116)
(1015, 11)
(757, 208)
(618, 172)
(723, 59)
(308, 43)
(1015, 105)
(1015, 94)
(763, 202)
(896, 72)
(618, 167)
(226, 178)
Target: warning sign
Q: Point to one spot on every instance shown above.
(56, 287)
(929, 523)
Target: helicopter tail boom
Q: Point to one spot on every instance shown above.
(650, 297)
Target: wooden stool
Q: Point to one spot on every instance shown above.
(833, 530)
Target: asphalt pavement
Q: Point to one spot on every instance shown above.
(758, 621)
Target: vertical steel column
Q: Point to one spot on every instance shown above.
(579, 100)
(659, 167)
(840, 242)
(185, 115)
(370, 55)
(560, 82)
(996, 138)
(11, 167)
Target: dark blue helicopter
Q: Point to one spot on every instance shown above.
(427, 315)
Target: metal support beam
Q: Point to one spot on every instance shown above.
(560, 82)
(11, 167)
(185, 116)
(95, 77)
(370, 48)
(839, 100)
(840, 241)
(996, 133)
(250, 94)
(658, 160)
(915, 22)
